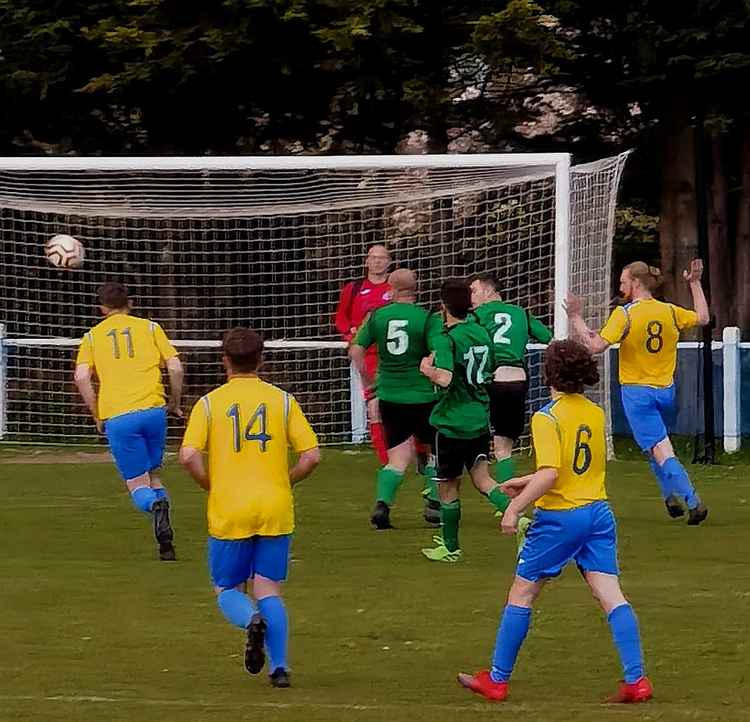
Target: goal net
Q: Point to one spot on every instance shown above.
(205, 244)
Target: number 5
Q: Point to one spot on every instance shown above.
(398, 340)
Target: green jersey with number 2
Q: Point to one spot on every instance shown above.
(401, 332)
(510, 327)
(465, 349)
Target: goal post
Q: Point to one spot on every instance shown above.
(208, 243)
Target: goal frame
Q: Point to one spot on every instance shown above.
(558, 164)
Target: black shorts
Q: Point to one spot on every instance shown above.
(402, 421)
(455, 455)
(508, 408)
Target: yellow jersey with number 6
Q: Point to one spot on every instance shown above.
(648, 331)
(569, 435)
(127, 353)
(247, 427)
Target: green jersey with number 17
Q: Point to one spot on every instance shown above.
(401, 332)
(510, 327)
(465, 349)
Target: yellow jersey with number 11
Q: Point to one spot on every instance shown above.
(126, 352)
(247, 427)
(569, 435)
(648, 331)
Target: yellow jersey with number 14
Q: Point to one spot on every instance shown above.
(648, 331)
(247, 427)
(569, 435)
(126, 352)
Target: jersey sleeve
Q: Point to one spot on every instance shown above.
(343, 320)
(614, 330)
(364, 336)
(163, 344)
(85, 351)
(538, 330)
(443, 350)
(684, 318)
(546, 440)
(196, 434)
(299, 432)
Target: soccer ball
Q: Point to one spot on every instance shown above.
(64, 251)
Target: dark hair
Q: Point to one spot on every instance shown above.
(456, 297)
(244, 349)
(569, 366)
(113, 295)
(488, 279)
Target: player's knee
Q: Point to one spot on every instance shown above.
(523, 592)
(448, 490)
(606, 590)
(264, 587)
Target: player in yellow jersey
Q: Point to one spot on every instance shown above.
(126, 354)
(246, 427)
(573, 522)
(648, 331)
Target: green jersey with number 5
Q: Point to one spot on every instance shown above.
(465, 349)
(510, 327)
(401, 332)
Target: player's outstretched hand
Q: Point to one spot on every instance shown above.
(509, 521)
(695, 272)
(175, 410)
(573, 305)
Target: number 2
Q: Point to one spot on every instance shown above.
(258, 416)
(504, 322)
(398, 340)
(580, 466)
(116, 345)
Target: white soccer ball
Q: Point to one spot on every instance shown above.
(64, 251)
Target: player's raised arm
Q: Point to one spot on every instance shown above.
(693, 277)
(595, 342)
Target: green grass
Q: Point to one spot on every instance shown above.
(93, 628)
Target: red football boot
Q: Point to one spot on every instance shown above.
(640, 691)
(481, 683)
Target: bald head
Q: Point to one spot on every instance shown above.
(403, 280)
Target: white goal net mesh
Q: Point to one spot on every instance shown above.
(204, 250)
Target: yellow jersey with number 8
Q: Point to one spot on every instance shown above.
(247, 427)
(648, 331)
(569, 435)
(127, 353)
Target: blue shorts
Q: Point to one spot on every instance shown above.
(650, 411)
(586, 535)
(234, 561)
(137, 441)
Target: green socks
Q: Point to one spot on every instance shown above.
(498, 499)
(450, 516)
(389, 480)
(430, 485)
(504, 470)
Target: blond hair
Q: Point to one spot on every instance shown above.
(649, 276)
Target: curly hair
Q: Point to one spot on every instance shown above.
(569, 367)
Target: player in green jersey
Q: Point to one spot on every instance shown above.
(510, 327)
(401, 331)
(462, 364)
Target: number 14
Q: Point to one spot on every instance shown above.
(258, 416)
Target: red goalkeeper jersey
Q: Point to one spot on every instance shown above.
(358, 299)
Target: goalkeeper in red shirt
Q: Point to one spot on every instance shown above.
(358, 299)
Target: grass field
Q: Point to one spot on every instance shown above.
(93, 628)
